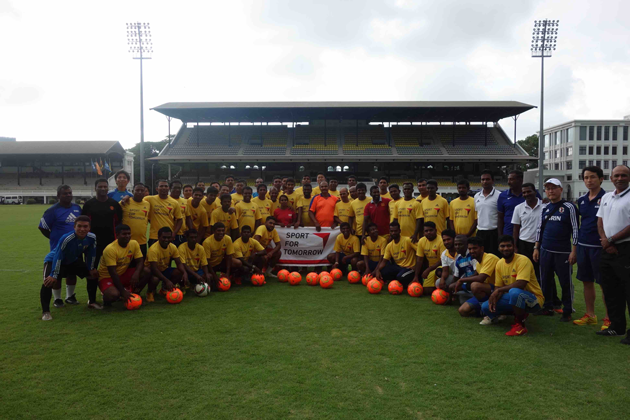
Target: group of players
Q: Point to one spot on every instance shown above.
(496, 252)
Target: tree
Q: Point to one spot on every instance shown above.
(151, 149)
(530, 145)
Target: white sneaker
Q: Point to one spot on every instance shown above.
(94, 306)
(501, 318)
(46, 316)
(488, 321)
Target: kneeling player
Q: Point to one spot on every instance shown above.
(430, 249)
(67, 260)
(400, 258)
(347, 250)
(516, 288)
(249, 252)
(194, 259)
(157, 266)
(265, 234)
(372, 251)
(117, 276)
(220, 254)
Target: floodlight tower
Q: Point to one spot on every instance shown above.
(544, 39)
(139, 41)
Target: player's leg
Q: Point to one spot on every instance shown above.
(564, 270)
(152, 283)
(71, 283)
(353, 264)
(331, 258)
(388, 273)
(429, 284)
(523, 303)
(472, 307)
(238, 270)
(547, 280)
(45, 294)
(260, 261)
(586, 275)
(360, 267)
(482, 292)
(405, 276)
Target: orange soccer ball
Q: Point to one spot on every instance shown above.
(440, 297)
(258, 279)
(224, 284)
(354, 277)
(415, 289)
(336, 274)
(174, 296)
(295, 278)
(134, 302)
(374, 286)
(395, 287)
(326, 281)
(366, 279)
(324, 273)
(312, 279)
(283, 275)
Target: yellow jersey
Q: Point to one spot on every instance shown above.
(198, 215)
(193, 258)
(356, 211)
(247, 214)
(246, 249)
(274, 205)
(342, 210)
(316, 191)
(487, 266)
(431, 250)
(463, 214)
(347, 246)
(163, 213)
(304, 204)
(236, 198)
(229, 220)
(402, 253)
(521, 268)
(266, 236)
(116, 256)
(183, 204)
(292, 198)
(407, 213)
(392, 209)
(161, 256)
(374, 249)
(264, 206)
(333, 193)
(386, 195)
(217, 250)
(136, 216)
(436, 211)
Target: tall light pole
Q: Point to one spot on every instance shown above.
(544, 39)
(139, 41)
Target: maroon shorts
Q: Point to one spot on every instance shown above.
(125, 279)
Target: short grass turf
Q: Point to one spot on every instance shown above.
(288, 352)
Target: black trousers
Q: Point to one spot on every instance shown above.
(490, 240)
(527, 249)
(615, 282)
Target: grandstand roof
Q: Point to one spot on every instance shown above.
(408, 111)
(61, 148)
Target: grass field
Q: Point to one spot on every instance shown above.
(288, 352)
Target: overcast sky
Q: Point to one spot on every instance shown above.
(66, 74)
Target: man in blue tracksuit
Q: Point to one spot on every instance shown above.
(555, 249)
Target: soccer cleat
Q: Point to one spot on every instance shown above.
(517, 329)
(46, 316)
(558, 310)
(94, 305)
(72, 300)
(150, 297)
(58, 303)
(488, 321)
(626, 340)
(607, 333)
(565, 318)
(606, 324)
(586, 320)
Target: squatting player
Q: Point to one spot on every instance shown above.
(157, 266)
(194, 258)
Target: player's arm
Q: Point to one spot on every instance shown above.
(201, 234)
(500, 223)
(430, 268)
(318, 227)
(44, 232)
(366, 221)
(476, 278)
(515, 233)
(166, 283)
(56, 265)
(124, 293)
(417, 234)
(575, 227)
(178, 225)
(189, 222)
(418, 269)
(206, 273)
(298, 220)
(182, 269)
(379, 267)
(119, 215)
(192, 273)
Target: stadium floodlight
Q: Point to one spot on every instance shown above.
(544, 37)
(141, 47)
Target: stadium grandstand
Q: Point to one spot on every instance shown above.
(34, 169)
(404, 141)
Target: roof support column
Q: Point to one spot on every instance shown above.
(453, 133)
(325, 137)
(63, 178)
(357, 132)
(486, 134)
(84, 174)
(18, 174)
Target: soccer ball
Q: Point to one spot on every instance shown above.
(324, 273)
(326, 281)
(312, 279)
(258, 279)
(440, 297)
(366, 279)
(201, 289)
(354, 277)
(295, 278)
(174, 296)
(415, 289)
(336, 274)
(283, 276)
(395, 288)
(134, 302)
(224, 284)
(374, 286)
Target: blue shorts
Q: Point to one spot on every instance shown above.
(372, 265)
(200, 272)
(588, 263)
(476, 303)
(513, 298)
(168, 272)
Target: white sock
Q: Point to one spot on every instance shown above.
(56, 293)
(70, 290)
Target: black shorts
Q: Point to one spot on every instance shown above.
(77, 268)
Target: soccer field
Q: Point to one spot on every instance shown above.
(288, 352)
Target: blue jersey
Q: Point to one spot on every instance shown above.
(118, 195)
(69, 249)
(465, 265)
(505, 204)
(59, 220)
(589, 236)
(561, 227)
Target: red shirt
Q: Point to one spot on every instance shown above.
(324, 209)
(379, 214)
(285, 217)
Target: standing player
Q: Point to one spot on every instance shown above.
(249, 252)
(377, 211)
(66, 259)
(277, 183)
(430, 249)
(435, 207)
(306, 179)
(303, 205)
(273, 197)
(322, 208)
(237, 196)
(209, 204)
(224, 216)
(372, 251)
(394, 193)
(135, 214)
(320, 178)
(105, 214)
(157, 266)
(399, 259)
(122, 180)
(463, 217)
(508, 200)
(229, 181)
(332, 187)
(263, 202)
(487, 213)
(196, 215)
(422, 189)
(383, 183)
(343, 206)
(165, 212)
(347, 250)
(200, 184)
(352, 182)
(408, 213)
(220, 253)
(290, 193)
(265, 234)
(117, 277)
(187, 191)
(357, 209)
(176, 192)
(194, 259)
(258, 182)
(247, 213)
(352, 191)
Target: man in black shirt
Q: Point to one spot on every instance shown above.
(105, 213)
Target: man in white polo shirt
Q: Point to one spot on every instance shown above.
(487, 213)
(525, 220)
(613, 225)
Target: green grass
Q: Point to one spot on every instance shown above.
(287, 352)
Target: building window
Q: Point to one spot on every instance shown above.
(590, 150)
(606, 150)
(599, 150)
(606, 177)
(591, 132)
(570, 135)
(555, 154)
(569, 165)
(606, 164)
(583, 150)
(625, 150)
(582, 164)
(624, 162)
(614, 133)
(606, 133)
(599, 132)
(556, 166)
(590, 163)
(625, 133)
(582, 133)
(598, 163)
(613, 163)
(546, 155)
(614, 150)
(569, 151)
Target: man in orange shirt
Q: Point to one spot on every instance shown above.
(322, 211)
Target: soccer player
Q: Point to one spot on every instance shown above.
(320, 178)
(332, 187)
(238, 195)
(216, 185)
(516, 288)
(347, 250)
(465, 266)
(165, 212)
(357, 209)
(277, 183)
(59, 218)
(342, 208)
(263, 202)
(322, 209)
(399, 259)
(247, 213)
(285, 215)
(258, 182)
(196, 215)
(306, 179)
(187, 191)
(265, 234)
(303, 205)
(290, 193)
(589, 248)
(383, 183)
(372, 250)
(229, 181)
(122, 180)
(157, 266)
(209, 204)
(220, 253)
(508, 200)
(556, 248)
(201, 184)
(435, 207)
(66, 259)
(176, 192)
(352, 181)
(447, 261)
(249, 252)
(353, 192)
(117, 277)
(481, 284)
(105, 214)
(135, 214)
(429, 249)
(463, 217)
(377, 211)
(273, 197)
(487, 213)
(194, 260)
(408, 213)
(224, 216)
(422, 189)
(394, 193)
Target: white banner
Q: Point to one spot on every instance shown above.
(306, 246)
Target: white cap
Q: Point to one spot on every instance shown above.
(554, 181)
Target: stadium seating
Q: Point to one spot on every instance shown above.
(414, 140)
(204, 139)
(274, 140)
(372, 140)
(472, 139)
(315, 141)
